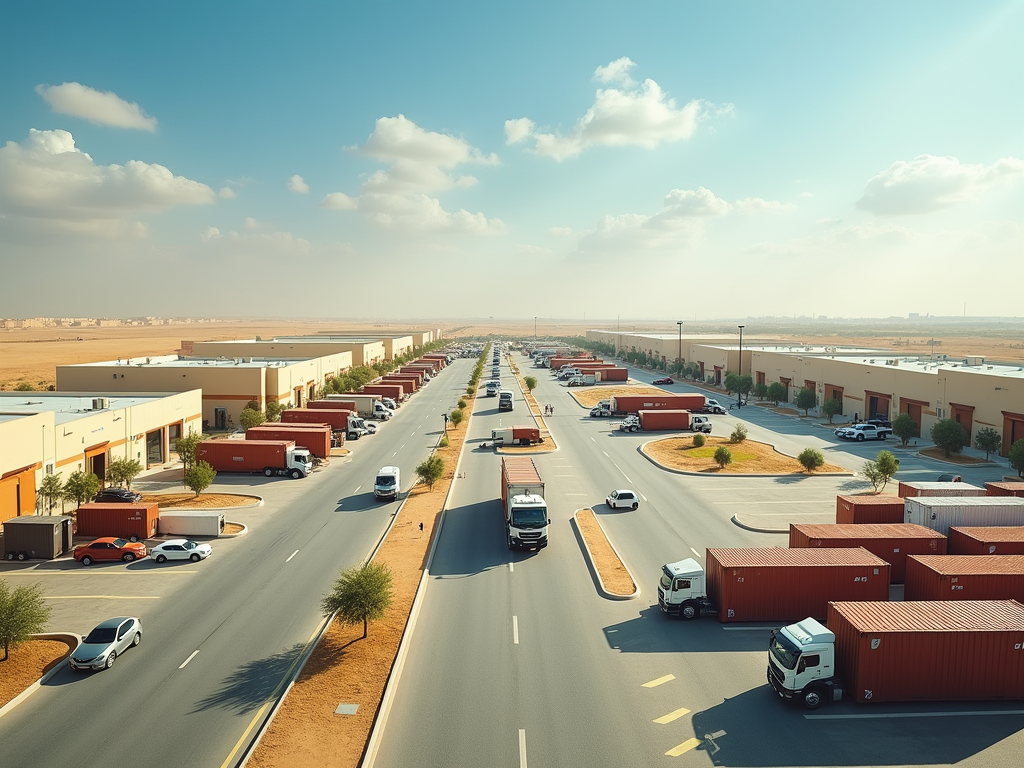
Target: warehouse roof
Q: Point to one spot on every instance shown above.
(68, 406)
(176, 361)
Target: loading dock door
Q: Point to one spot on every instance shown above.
(154, 447)
(877, 404)
(1013, 430)
(913, 409)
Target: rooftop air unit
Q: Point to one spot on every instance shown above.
(100, 403)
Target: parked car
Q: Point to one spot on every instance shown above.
(713, 406)
(180, 549)
(664, 380)
(947, 477)
(880, 421)
(625, 498)
(109, 548)
(861, 432)
(117, 496)
(106, 642)
(370, 428)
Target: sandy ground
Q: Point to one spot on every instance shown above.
(26, 664)
(955, 458)
(345, 668)
(748, 457)
(613, 573)
(588, 397)
(203, 501)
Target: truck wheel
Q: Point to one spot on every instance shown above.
(689, 611)
(295, 474)
(268, 472)
(23, 556)
(812, 698)
(9, 556)
(635, 505)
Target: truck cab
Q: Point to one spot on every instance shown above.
(381, 411)
(801, 663)
(299, 460)
(682, 590)
(387, 483)
(527, 521)
(492, 388)
(356, 428)
(505, 400)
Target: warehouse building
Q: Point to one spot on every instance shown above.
(361, 351)
(45, 433)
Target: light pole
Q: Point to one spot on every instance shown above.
(740, 398)
(535, 328)
(679, 356)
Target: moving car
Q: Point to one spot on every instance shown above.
(106, 642)
(387, 483)
(117, 496)
(713, 406)
(664, 380)
(624, 498)
(630, 424)
(109, 548)
(180, 549)
(862, 432)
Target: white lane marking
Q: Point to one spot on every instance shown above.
(413, 435)
(748, 629)
(522, 748)
(695, 551)
(623, 473)
(403, 446)
(186, 661)
(880, 715)
(606, 454)
(357, 489)
(395, 453)
(515, 630)
(293, 554)
(643, 497)
(511, 567)
(594, 441)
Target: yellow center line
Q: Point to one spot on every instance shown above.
(672, 716)
(686, 746)
(659, 681)
(102, 597)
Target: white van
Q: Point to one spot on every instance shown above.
(387, 483)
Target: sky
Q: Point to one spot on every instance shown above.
(570, 159)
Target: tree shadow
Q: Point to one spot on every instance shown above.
(249, 686)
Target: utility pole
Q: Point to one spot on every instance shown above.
(739, 397)
(679, 356)
(535, 328)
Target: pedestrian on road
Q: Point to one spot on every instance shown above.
(552, 409)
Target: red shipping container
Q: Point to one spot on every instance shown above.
(246, 455)
(343, 405)
(998, 540)
(315, 439)
(516, 472)
(613, 374)
(525, 433)
(1005, 489)
(588, 365)
(409, 382)
(126, 521)
(913, 490)
(932, 651)
(337, 418)
(965, 577)
(655, 420)
(435, 365)
(891, 542)
(557, 362)
(775, 584)
(410, 371)
(869, 509)
(394, 391)
(636, 403)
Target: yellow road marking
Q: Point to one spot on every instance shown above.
(659, 681)
(672, 716)
(686, 746)
(102, 597)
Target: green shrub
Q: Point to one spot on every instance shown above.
(739, 434)
(810, 459)
(698, 440)
(723, 456)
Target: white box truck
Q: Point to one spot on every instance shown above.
(523, 504)
(191, 523)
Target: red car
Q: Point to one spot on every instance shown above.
(109, 548)
(666, 380)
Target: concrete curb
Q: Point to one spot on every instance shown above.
(68, 636)
(949, 463)
(590, 560)
(245, 530)
(737, 522)
(657, 463)
(258, 502)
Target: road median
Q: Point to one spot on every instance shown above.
(613, 577)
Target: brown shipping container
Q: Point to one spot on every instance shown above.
(965, 577)
(127, 521)
(443, 358)
(912, 490)
(518, 470)
(931, 651)
(245, 455)
(525, 433)
(410, 371)
(775, 584)
(614, 374)
(1005, 489)
(558, 362)
(869, 509)
(435, 365)
(891, 542)
(654, 420)
(337, 418)
(395, 391)
(409, 382)
(666, 402)
(317, 440)
(587, 365)
(339, 404)
(998, 540)
(38, 536)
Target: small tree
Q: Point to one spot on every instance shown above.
(457, 417)
(810, 459)
(987, 440)
(948, 435)
(470, 390)
(776, 392)
(430, 470)
(274, 410)
(872, 473)
(24, 387)
(731, 382)
(461, 403)
(881, 470)
(360, 594)
(723, 456)
(1016, 457)
(531, 382)
(831, 408)
(23, 613)
(744, 384)
(186, 448)
(761, 391)
(199, 476)
(51, 490)
(81, 487)
(805, 399)
(123, 471)
(698, 440)
(904, 428)
(739, 434)
(250, 417)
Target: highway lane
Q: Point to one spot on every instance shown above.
(248, 613)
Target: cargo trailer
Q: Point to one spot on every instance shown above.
(314, 438)
(911, 651)
(913, 490)
(651, 421)
(521, 435)
(1013, 488)
(271, 457)
(344, 421)
(409, 382)
(869, 509)
(368, 406)
(621, 404)
(939, 513)
(892, 542)
(340, 402)
(523, 506)
(611, 374)
(134, 522)
(38, 537)
(965, 577)
(419, 373)
(189, 524)
(995, 540)
(395, 391)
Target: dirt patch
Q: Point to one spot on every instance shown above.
(749, 457)
(614, 576)
(27, 663)
(203, 501)
(346, 668)
(953, 458)
(233, 528)
(535, 410)
(591, 396)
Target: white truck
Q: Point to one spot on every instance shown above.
(523, 505)
(505, 400)
(492, 388)
(367, 406)
(682, 590)
(582, 380)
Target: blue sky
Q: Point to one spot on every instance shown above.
(467, 159)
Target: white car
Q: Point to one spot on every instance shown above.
(624, 498)
(180, 549)
(370, 428)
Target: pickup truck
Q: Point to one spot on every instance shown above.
(862, 432)
(713, 406)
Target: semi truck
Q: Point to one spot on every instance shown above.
(622, 404)
(393, 391)
(523, 505)
(505, 400)
(339, 419)
(367, 406)
(271, 457)
(522, 435)
(902, 651)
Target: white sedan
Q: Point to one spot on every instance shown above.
(618, 499)
(180, 549)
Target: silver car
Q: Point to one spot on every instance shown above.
(106, 642)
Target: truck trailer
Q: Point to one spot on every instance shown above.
(622, 404)
(368, 406)
(340, 420)
(393, 390)
(521, 435)
(941, 512)
(271, 457)
(523, 505)
(315, 438)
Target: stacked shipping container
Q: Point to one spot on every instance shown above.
(965, 577)
(939, 513)
(912, 490)
(891, 542)
(869, 509)
(996, 540)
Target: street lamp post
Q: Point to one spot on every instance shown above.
(535, 328)
(679, 356)
(740, 398)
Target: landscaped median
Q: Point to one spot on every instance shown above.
(747, 457)
(613, 577)
(548, 445)
(29, 662)
(588, 397)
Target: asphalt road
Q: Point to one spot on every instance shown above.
(218, 641)
(516, 659)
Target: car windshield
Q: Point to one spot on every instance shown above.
(784, 651)
(385, 480)
(530, 517)
(102, 635)
(118, 543)
(666, 581)
(189, 545)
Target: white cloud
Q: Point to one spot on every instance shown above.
(560, 231)
(339, 201)
(424, 213)
(210, 233)
(251, 223)
(48, 180)
(227, 193)
(930, 183)
(634, 114)
(297, 184)
(805, 195)
(758, 205)
(100, 107)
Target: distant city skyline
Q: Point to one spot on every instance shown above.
(350, 160)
